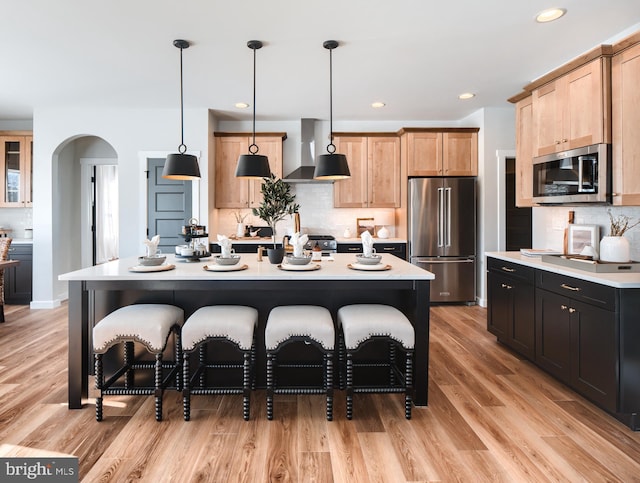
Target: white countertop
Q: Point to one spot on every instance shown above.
(329, 270)
(618, 280)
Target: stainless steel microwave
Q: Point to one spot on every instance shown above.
(581, 175)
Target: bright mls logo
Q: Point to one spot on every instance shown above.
(63, 470)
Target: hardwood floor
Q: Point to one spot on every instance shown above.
(491, 417)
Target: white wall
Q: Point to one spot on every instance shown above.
(129, 132)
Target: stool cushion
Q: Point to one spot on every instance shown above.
(360, 322)
(149, 324)
(233, 322)
(299, 320)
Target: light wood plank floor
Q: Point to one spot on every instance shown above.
(491, 417)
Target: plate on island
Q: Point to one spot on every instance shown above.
(299, 268)
(225, 268)
(372, 268)
(152, 268)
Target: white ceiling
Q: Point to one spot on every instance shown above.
(414, 55)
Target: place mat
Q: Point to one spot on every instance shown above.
(372, 268)
(225, 268)
(299, 268)
(152, 268)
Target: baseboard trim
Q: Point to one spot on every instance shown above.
(45, 304)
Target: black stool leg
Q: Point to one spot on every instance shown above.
(178, 357)
(186, 388)
(129, 355)
(328, 362)
(99, 384)
(246, 385)
(349, 385)
(408, 384)
(270, 363)
(158, 386)
(392, 363)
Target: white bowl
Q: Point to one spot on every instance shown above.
(232, 260)
(152, 261)
(290, 259)
(372, 260)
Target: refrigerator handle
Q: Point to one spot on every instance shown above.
(440, 217)
(448, 218)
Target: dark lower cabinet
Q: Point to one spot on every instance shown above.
(510, 315)
(18, 279)
(584, 333)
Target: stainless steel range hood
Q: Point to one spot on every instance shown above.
(306, 167)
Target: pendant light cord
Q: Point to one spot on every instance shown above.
(253, 149)
(330, 45)
(182, 148)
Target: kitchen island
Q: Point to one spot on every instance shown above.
(96, 291)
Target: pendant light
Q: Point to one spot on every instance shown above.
(331, 166)
(181, 166)
(253, 165)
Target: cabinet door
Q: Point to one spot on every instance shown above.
(424, 153)
(547, 117)
(15, 170)
(352, 192)
(272, 148)
(383, 172)
(500, 305)
(553, 334)
(524, 153)
(230, 192)
(625, 75)
(583, 118)
(18, 280)
(460, 154)
(595, 354)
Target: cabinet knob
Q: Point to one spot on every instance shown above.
(571, 310)
(564, 307)
(508, 287)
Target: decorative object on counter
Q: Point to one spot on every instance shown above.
(293, 260)
(260, 251)
(152, 268)
(316, 253)
(240, 228)
(371, 268)
(331, 166)
(152, 245)
(367, 244)
(253, 165)
(372, 259)
(277, 203)
(298, 242)
(181, 166)
(225, 268)
(615, 247)
(579, 236)
(384, 219)
(152, 261)
(566, 232)
(28, 233)
(347, 233)
(225, 246)
(366, 224)
(232, 259)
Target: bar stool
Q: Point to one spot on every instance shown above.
(363, 323)
(149, 325)
(312, 325)
(221, 323)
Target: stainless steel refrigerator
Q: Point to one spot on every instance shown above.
(442, 235)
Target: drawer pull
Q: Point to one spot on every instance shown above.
(564, 307)
(508, 287)
(571, 310)
(388, 248)
(507, 269)
(569, 287)
(353, 249)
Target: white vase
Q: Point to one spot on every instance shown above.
(614, 249)
(240, 230)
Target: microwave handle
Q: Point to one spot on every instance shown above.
(591, 185)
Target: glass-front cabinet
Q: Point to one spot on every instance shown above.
(16, 170)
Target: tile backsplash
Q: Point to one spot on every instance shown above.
(317, 214)
(16, 219)
(549, 224)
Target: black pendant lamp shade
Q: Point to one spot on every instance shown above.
(253, 165)
(331, 166)
(181, 166)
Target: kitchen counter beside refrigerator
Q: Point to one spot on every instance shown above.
(442, 235)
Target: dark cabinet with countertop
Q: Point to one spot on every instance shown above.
(584, 333)
(18, 279)
(398, 249)
(510, 316)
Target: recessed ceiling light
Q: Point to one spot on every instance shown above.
(377, 105)
(550, 14)
(242, 105)
(466, 95)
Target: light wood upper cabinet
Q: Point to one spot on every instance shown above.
(524, 152)
(433, 152)
(374, 163)
(232, 192)
(572, 111)
(625, 78)
(16, 151)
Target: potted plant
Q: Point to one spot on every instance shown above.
(277, 203)
(615, 247)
